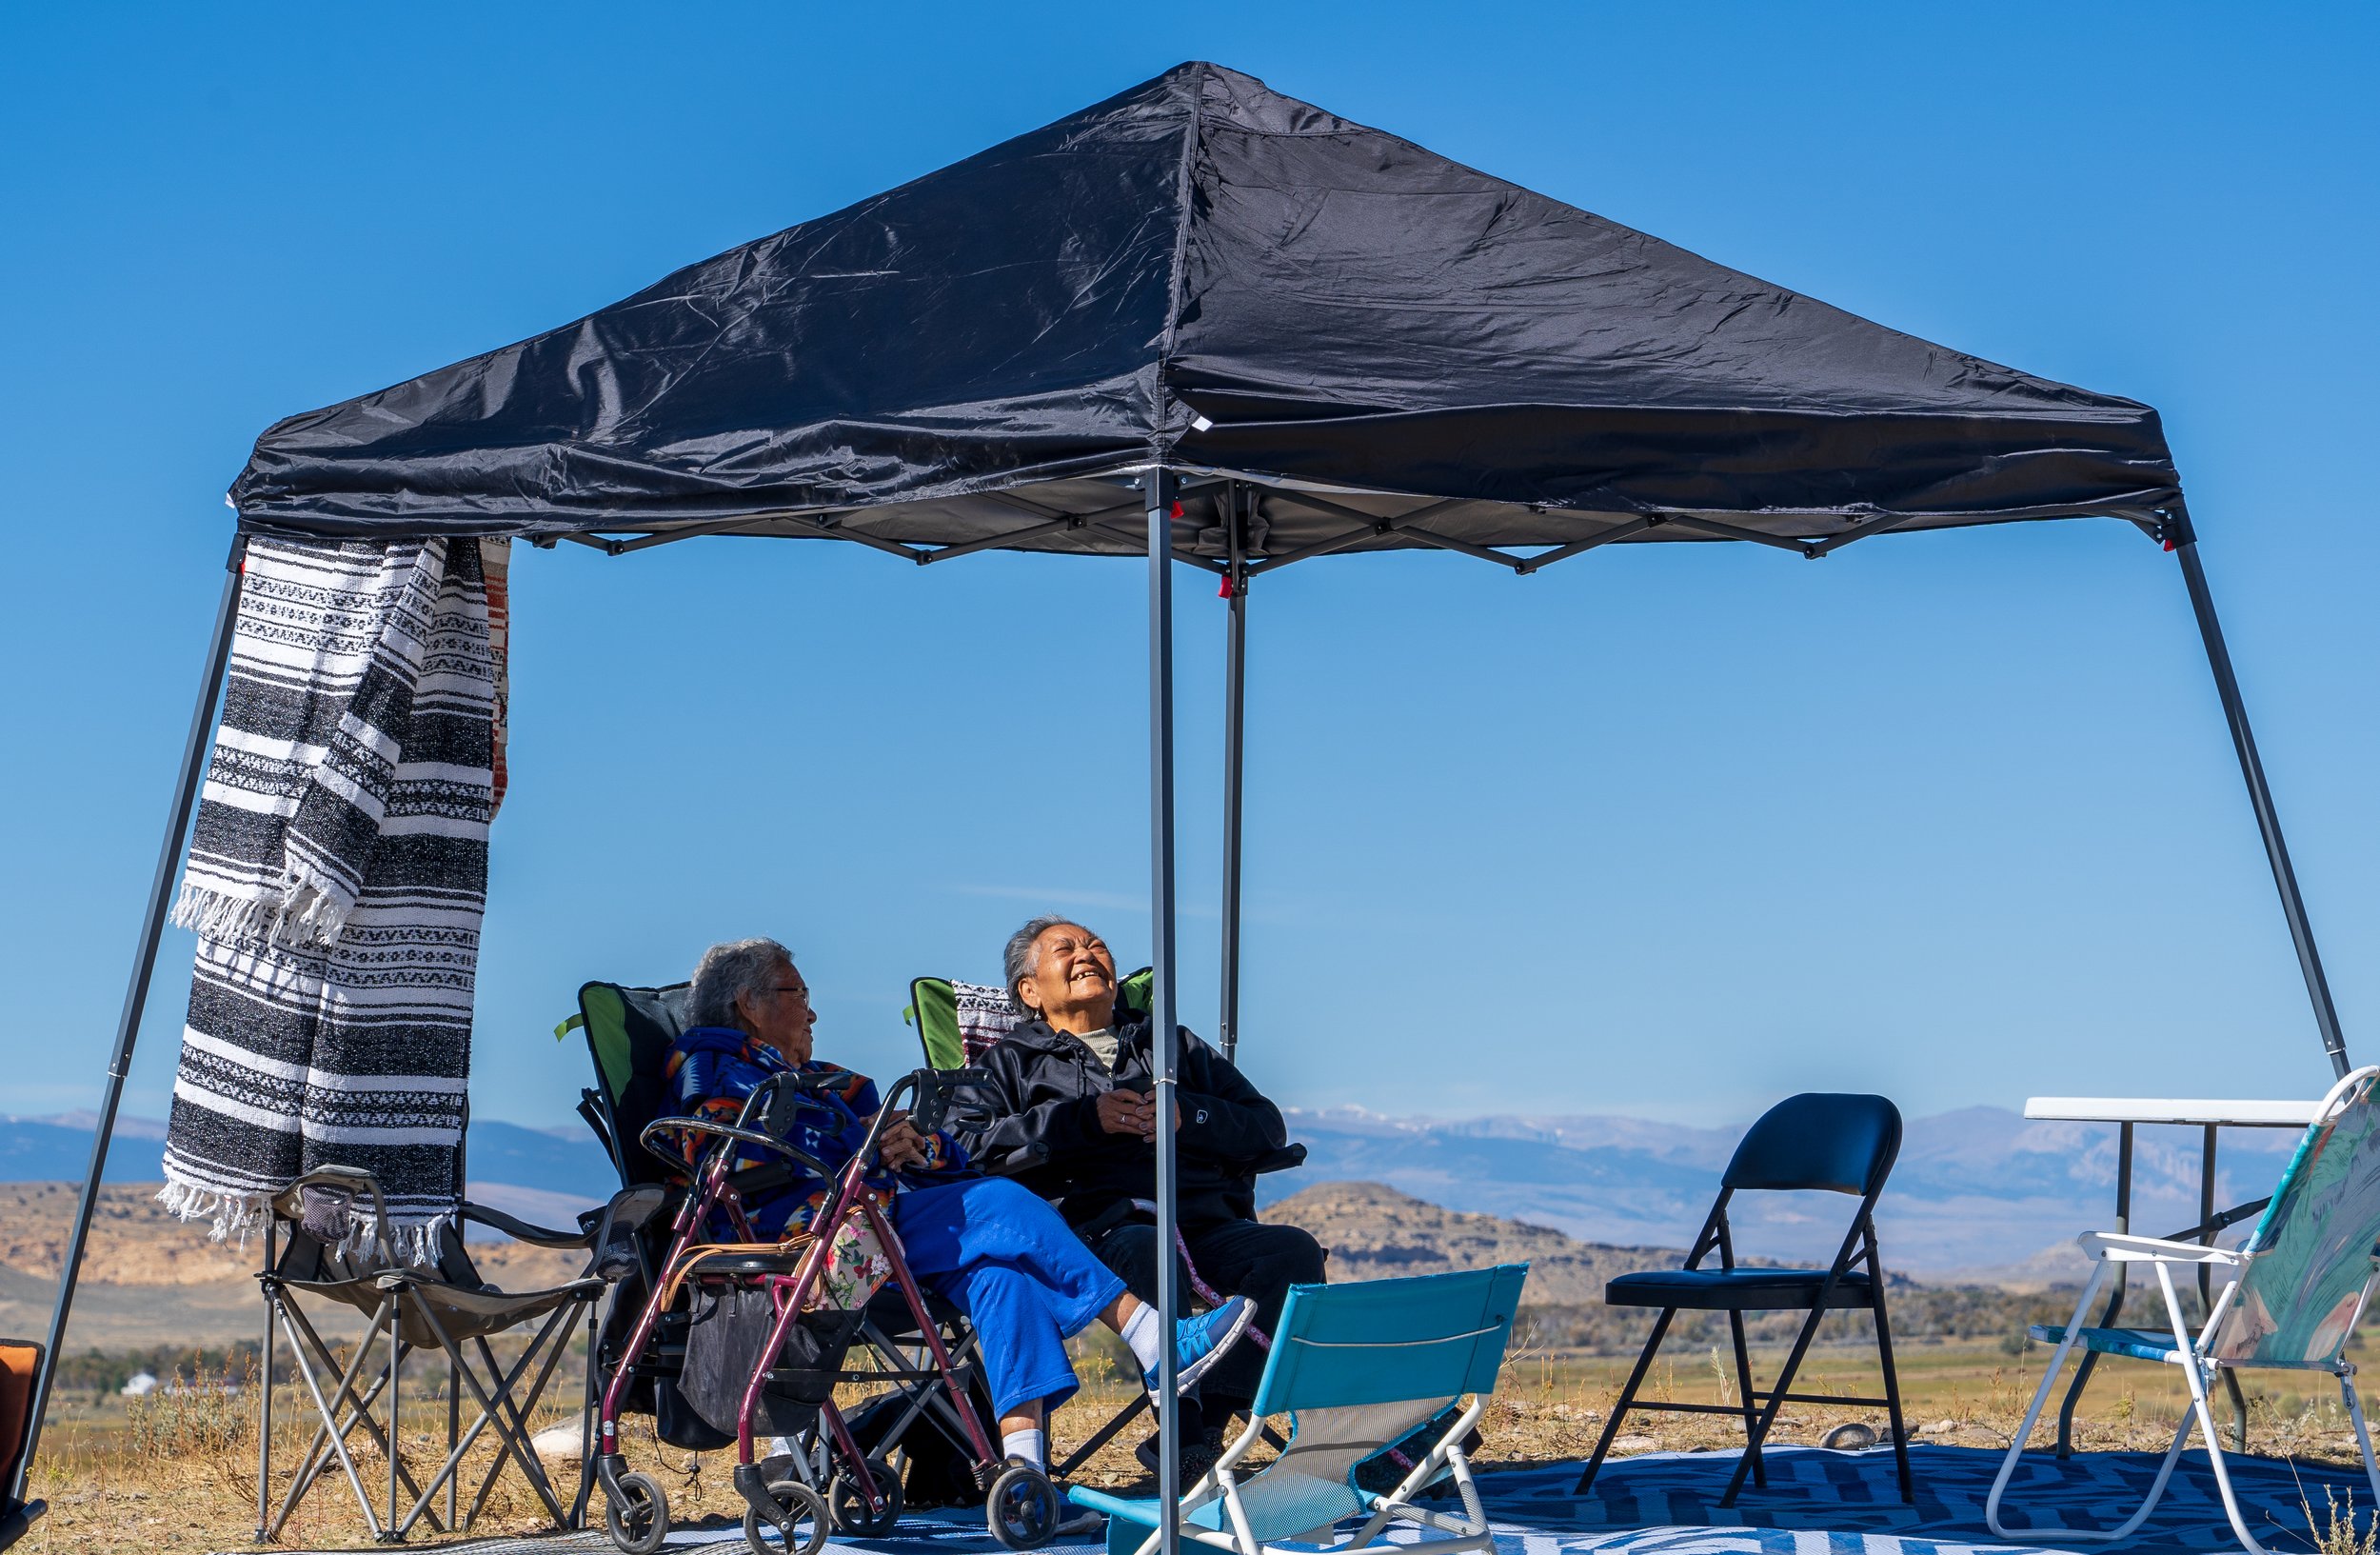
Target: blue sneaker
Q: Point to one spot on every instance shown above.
(1200, 1342)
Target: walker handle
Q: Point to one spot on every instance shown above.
(741, 1136)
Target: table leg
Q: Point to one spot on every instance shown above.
(2115, 1292)
(2206, 1278)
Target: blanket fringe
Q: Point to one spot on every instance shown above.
(307, 917)
(313, 915)
(214, 915)
(238, 1217)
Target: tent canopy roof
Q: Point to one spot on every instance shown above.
(1203, 272)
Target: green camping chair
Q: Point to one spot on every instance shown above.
(2301, 1280)
(958, 1023)
(631, 1032)
(1355, 1368)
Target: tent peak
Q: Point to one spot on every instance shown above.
(1205, 271)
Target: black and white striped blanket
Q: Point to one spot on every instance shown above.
(337, 880)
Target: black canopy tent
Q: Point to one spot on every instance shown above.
(1205, 323)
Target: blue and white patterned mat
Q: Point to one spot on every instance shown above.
(1817, 1503)
(1821, 1503)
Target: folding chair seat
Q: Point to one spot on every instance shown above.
(1355, 1368)
(20, 1363)
(444, 1308)
(2300, 1284)
(1738, 1289)
(1805, 1143)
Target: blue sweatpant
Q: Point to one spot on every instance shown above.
(1007, 1259)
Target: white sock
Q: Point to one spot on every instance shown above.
(1142, 1332)
(1029, 1444)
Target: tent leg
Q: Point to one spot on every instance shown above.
(194, 751)
(1235, 720)
(2251, 768)
(1165, 1026)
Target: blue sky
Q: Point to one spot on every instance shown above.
(1670, 830)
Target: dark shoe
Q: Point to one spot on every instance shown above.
(1200, 1448)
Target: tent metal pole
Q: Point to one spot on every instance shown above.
(2185, 544)
(1165, 1026)
(195, 752)
(1235, 721)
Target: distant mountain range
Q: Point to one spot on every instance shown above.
(1978, 1194)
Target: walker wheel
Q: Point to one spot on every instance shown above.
(638, 1517)
(847, 1501)
(799, 1527)
(1021, 1509)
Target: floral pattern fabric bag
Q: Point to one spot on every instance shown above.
(857, 1267)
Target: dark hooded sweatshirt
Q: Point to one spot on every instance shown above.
(1036, 1116)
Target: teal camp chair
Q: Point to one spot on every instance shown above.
(2300, 1282)
(1355, 1368)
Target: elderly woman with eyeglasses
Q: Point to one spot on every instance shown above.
(997, 1251)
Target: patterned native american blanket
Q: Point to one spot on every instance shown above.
(337, 880)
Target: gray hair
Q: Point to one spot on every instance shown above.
(1017, 961)
(727, 970)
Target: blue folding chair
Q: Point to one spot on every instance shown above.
(1356, 1368)
(2303, 1278)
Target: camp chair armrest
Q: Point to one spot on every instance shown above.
(2114, 1246)
(521, 1231)
(1288, 1158)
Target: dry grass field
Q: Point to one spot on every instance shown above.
(177, 1472)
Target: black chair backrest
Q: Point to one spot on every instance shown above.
(1819, 1140)
(629, 1033)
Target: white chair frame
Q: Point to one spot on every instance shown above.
(1469, 1532)
(2199, 1368)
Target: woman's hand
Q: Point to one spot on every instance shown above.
(900, 1147)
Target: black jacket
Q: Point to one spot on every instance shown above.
(1035, 1116)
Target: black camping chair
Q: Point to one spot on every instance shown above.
(1809, 1143)
(313, 1250)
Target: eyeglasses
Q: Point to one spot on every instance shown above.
(791, 987)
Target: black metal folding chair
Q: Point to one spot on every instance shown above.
(1810, 1143)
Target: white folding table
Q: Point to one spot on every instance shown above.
(2126, 1113)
